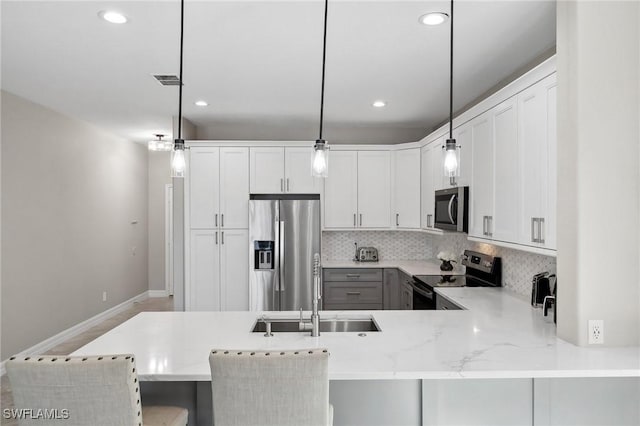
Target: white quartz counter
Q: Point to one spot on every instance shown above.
(410, 267)
(498, 336)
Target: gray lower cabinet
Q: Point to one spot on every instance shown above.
(445, 304)
(352, 289)
(391, 289)
(406, 296)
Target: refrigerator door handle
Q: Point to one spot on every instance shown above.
(281, 255)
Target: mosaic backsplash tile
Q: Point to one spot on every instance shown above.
(518, 267)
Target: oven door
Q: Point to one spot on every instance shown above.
(423, 298)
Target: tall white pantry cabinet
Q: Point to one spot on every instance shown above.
(218, 185)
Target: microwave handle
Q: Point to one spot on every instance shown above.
(453, 197)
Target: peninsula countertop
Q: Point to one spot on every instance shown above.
(499, 335)
(410, 267)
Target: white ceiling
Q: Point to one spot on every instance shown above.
(258, 63)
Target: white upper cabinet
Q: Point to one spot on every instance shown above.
(432, 178)
(297, 172)
(481, 191)
(506, 211)
(341, 190)
(537, 136)
(277, 170)
(357, 192)
(234, 188)
(462, 134)
(407, 188)
(204, 186)
(218, 187)
(374, 189)
(267, 170)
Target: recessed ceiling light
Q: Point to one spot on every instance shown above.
(201, 103)
(433, 18)
(113, 17)
(379, 104)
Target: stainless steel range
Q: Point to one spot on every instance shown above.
(482, 270)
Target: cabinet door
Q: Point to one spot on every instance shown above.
(267, 170)
(407, 188)
(437, 164)
(463, 139)
(481, 190)
(297, 172)
(204, 274)
(390, 289)
(234, 270)
(374, 189)
(204, 181)
(506, 212)
(426, 188)
(341, 190)
(536, 132)
(234, 187)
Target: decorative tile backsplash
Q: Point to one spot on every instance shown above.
(518, 267)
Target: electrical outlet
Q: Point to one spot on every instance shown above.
(596, 332)
(104, 296)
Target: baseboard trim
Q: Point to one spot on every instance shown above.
(73, 331)
(158, 293)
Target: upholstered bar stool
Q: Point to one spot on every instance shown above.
(269, 388)
(82, 391)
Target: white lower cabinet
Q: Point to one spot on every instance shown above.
(218, 270)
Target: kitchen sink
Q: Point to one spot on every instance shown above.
(329, 325)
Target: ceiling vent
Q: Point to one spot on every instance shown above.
(167, 80)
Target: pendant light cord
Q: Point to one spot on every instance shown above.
(181, 54)
(324, 57)
(451, 78)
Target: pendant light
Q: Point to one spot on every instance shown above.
(451, 160)
(159, 145)
(178, 163)
(320, 165)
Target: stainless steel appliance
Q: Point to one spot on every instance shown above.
(482, 270)
(367, 254)
(284, 234)
(451, 209)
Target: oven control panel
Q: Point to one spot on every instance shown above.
(480, 261)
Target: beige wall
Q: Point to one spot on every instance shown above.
(69, 195)
(598, 164)
(159, 176)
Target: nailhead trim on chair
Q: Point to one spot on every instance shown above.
(236, 352)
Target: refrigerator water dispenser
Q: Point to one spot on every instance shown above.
(263, 254)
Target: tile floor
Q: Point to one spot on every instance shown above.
(65, 348)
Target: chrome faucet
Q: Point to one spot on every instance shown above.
(314, 325)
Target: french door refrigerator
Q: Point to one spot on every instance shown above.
(284, 234)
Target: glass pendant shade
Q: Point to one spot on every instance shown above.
(320, 165)
(178, 162)
(451, 160)
(159, 144)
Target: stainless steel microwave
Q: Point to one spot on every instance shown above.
(452, 209)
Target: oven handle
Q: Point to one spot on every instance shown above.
(422, 292)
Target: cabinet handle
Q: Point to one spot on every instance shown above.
(540, 230)
(281, 185)
(429, 220)
(533, 227)
(354, 220)
(353, 293)
(222, 236)
(216, 238)
(445, 308)
(216, 220)
(353, 275)
(360, 219)
(287, 184)
(397, 219)
(484, 225)
(222, 220)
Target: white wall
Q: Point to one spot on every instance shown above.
(159, 164)
(598, 163)
(70, 193)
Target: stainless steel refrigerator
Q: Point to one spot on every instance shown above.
(284, 234)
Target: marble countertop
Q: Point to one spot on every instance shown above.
(499, 335)
(410, 267)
